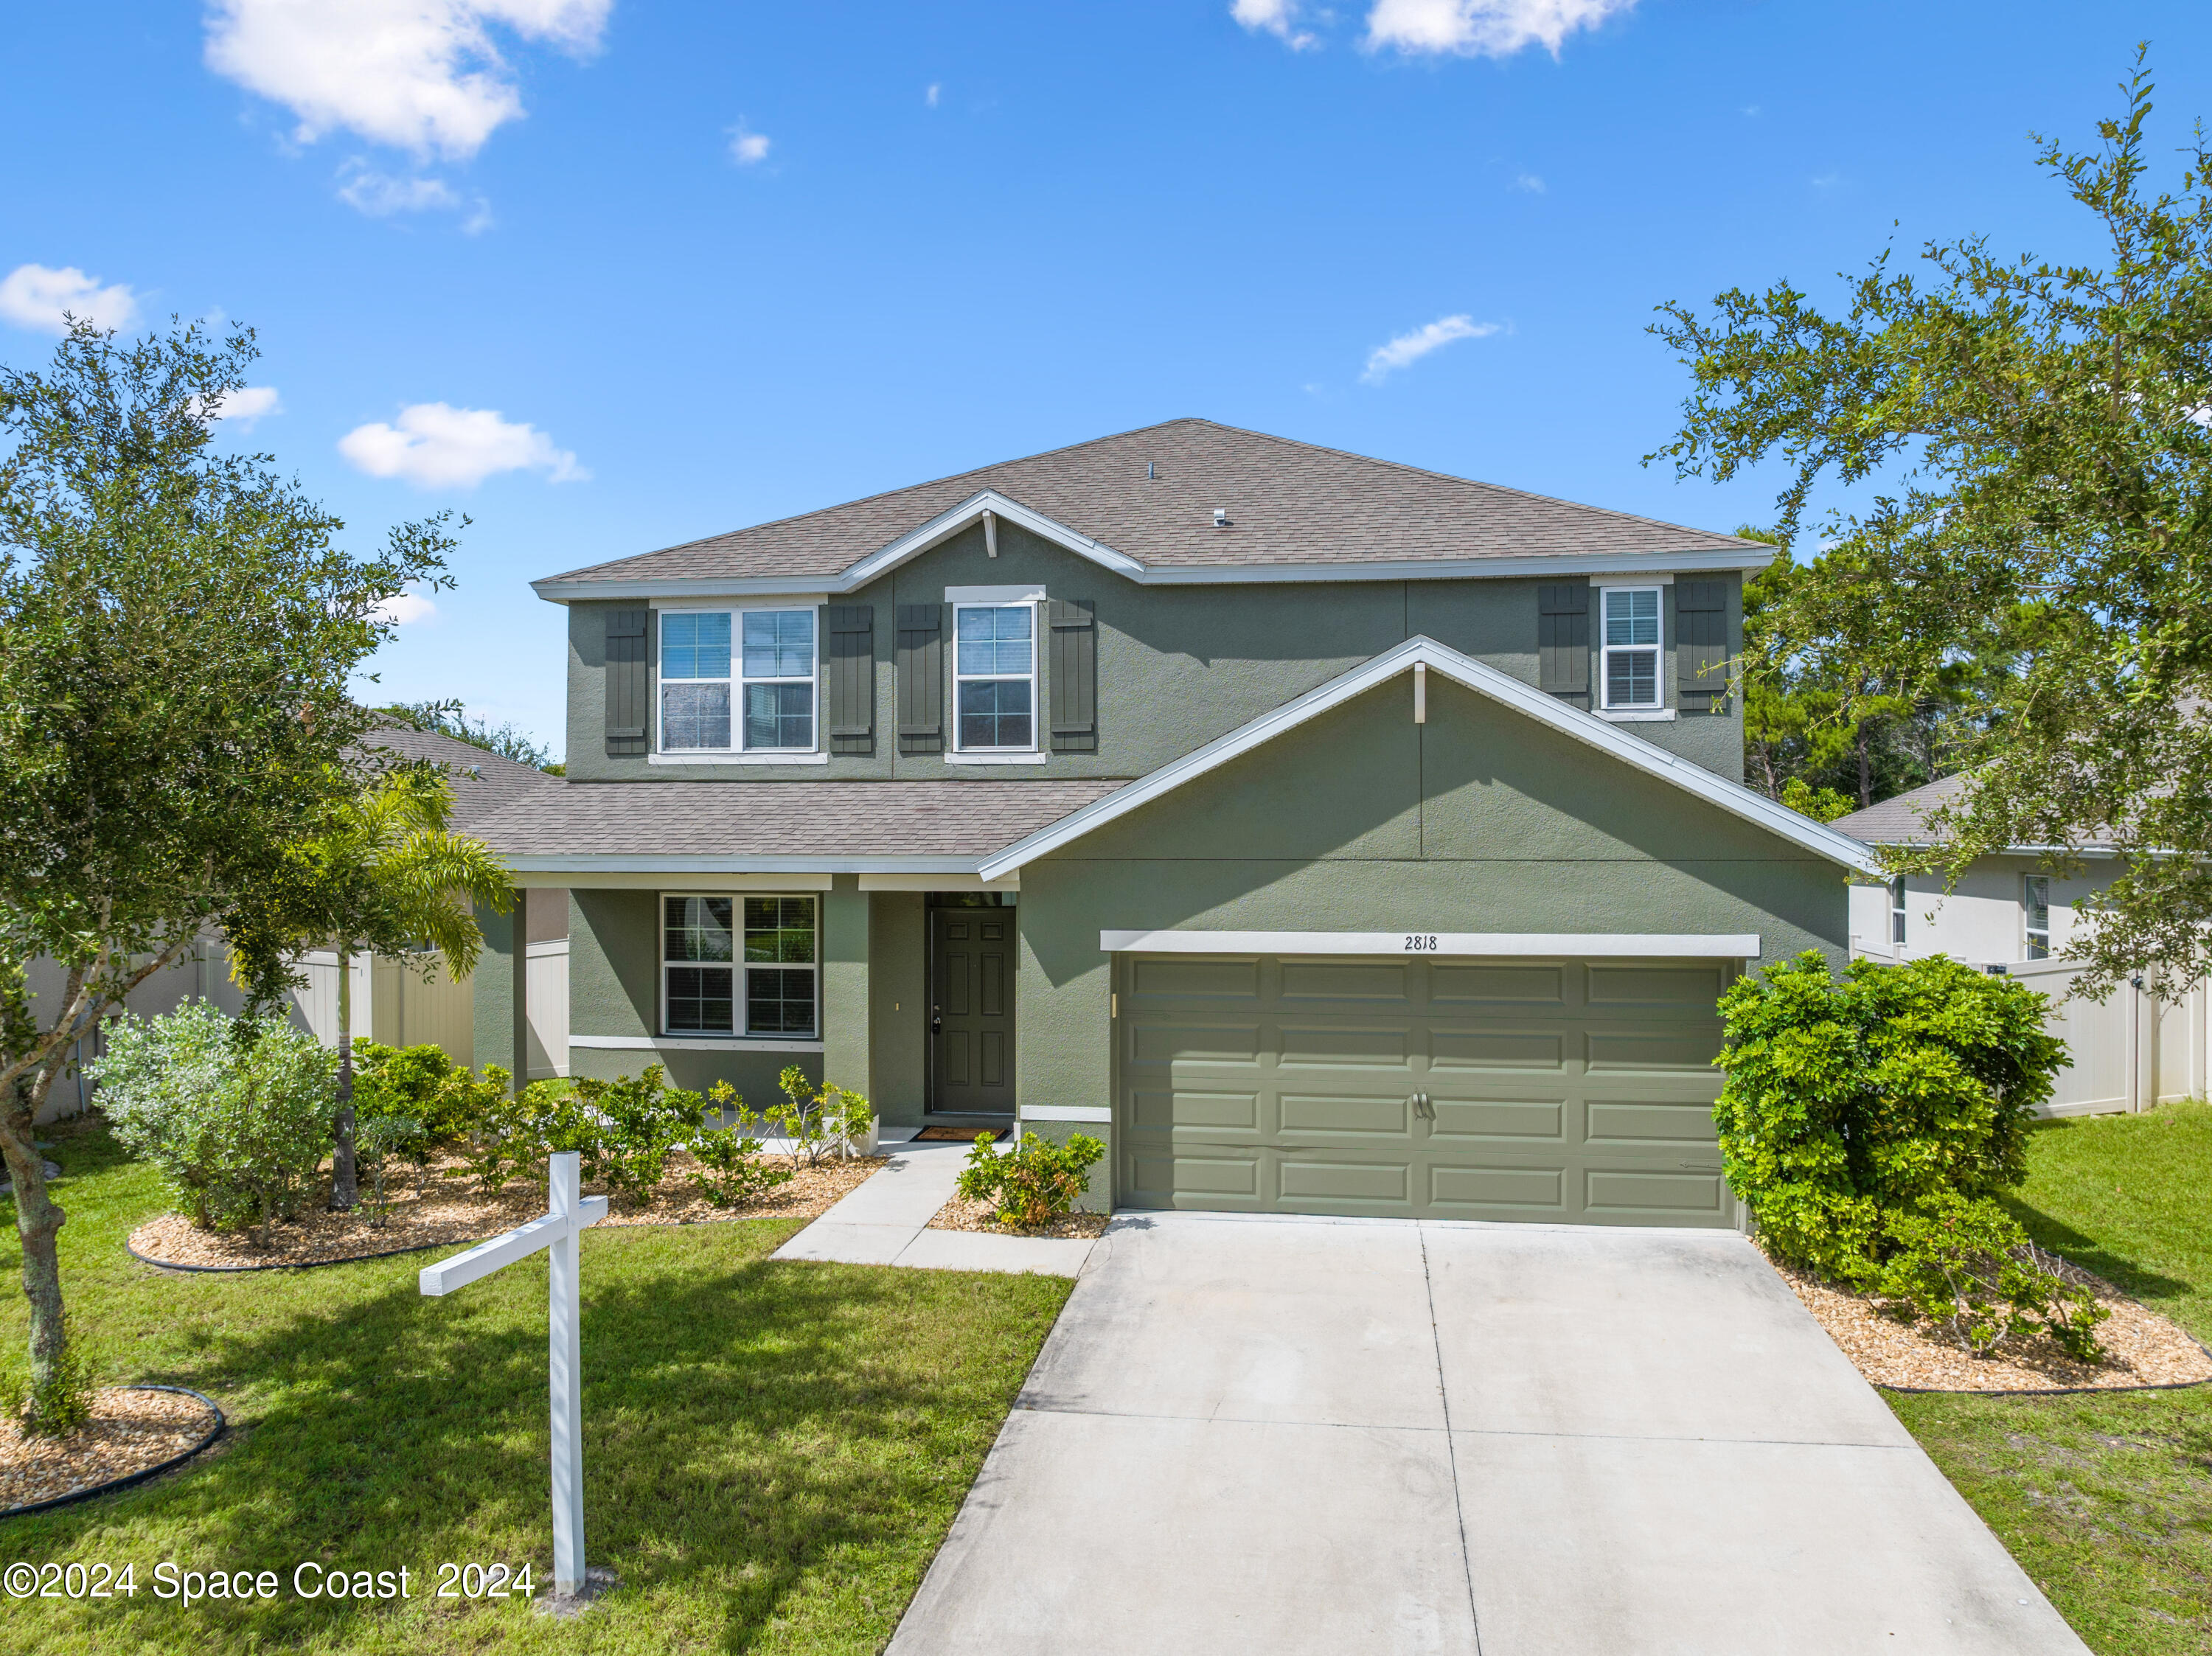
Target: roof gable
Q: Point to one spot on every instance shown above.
(1142, 503)
(1521, 698)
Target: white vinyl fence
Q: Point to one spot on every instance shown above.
(2130, 1051)
(547, 987)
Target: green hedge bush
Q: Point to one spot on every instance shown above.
(1033, 1183)
(1868, 1124)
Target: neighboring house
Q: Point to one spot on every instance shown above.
(1326, 835)
(2006, 913)
(391, 1002)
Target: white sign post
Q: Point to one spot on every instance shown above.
(558, 1230)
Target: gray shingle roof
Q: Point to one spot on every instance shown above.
(482, 782)
(781, 819)
(1897, 821)
(1288, 503)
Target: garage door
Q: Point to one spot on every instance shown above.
(1575, 1091)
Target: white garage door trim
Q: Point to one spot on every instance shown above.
(1615, 945)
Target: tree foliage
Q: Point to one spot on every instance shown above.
(178, 627)
(450, 718)
(2038, 435)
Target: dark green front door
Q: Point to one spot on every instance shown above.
(971, 1012)
(1574, 1091)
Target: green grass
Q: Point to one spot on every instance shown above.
(773, 1452)
(2106, 1501)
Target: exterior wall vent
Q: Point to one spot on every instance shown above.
(1221, 517)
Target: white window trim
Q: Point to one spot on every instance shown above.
(1646, 709)
(1899, 905)
(737, 753)
(738, 1036)
(1034, 754)
(1636, 715)
(2028, 932)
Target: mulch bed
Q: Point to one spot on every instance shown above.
(2143, 1348)
(430, 1211)
(130, 1431)
(960, 1214)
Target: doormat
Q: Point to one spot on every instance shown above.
(962, 1135)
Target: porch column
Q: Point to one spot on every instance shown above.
(500, 992)
(847, 1058)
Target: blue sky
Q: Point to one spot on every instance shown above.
(607, 276)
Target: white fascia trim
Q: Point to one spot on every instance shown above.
(990, 758)
(582, 864)
(1527, 699)
(690, 1043)
(694, 756)
(1646, 567)
(937, 883)
(784, 601)
(1023, 592)
(1615, 945)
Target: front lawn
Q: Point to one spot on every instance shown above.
(772, 1452)
(2106, 1501)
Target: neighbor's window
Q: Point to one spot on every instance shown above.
(994, 676)
(777, 663)
(769, 677)
(2035, 905)
(1632, 647)
(709, 973)
(1897, 910)
(695, 680)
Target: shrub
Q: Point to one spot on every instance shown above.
(730, 1172)
(376, 1140)
(1033, 1184)
(1869, 1125)
(235, 1116)
(64, 1404)
(817, 1122)
(624, 1129)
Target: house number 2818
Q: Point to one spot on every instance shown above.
(1421, 943)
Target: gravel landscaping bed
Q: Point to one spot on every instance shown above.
(130, 1431)
(430, 1211)
(960, 1214)
(2143, 1347)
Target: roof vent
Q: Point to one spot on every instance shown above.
(1221, 517)
(1151, 471)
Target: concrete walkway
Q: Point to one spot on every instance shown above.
(1297, 1436)
(885, 1223)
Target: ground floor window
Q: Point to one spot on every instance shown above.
(1897, 909)
(739, 966)
(2035, 905)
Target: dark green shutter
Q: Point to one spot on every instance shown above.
(848, 673)
(1074, 676)
(1701, 642)
(1563, 642)
(920, 678)
(629, 685)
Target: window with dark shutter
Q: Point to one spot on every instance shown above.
(1701, 643)
(1563, 641)
(920, 678)
(849, 674)
(628, 683)
(1074, 676)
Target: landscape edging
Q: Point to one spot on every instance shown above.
(221, 1425)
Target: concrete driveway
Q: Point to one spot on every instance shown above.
(1293, 1435)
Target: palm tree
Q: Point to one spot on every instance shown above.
(385, 876)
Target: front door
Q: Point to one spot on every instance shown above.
(971, 1010)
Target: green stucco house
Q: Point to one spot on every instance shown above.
(1326, 835)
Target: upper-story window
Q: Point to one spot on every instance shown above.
(768, 679)
(995, 677)
(2035, 908)
(1632, 647)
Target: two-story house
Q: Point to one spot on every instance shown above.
(1327, 836)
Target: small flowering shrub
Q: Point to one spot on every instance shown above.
(1033, 1183)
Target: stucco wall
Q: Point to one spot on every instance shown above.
(1177, 666)
(1981, 920)
(1479, 821)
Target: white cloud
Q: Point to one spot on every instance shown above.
(246, 407)
(1529, 182)
(33, 296)
(1277, 17)
(436, 445)
(747, 148)
(405, 607)
(1410, 348)
(420, 75)
(381, 195)
(1482, 28)
(930, 96)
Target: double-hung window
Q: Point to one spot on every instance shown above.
(994, 677)
(737, 965)
(760, 692)
(2035, 908)
(1631, 646)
